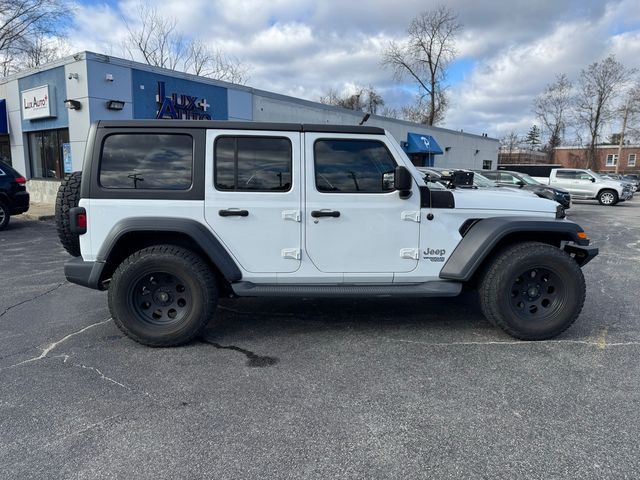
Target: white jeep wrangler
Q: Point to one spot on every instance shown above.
(170, 215)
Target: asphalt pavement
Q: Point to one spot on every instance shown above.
(322, 389)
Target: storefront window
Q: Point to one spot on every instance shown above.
(5, 149)
(45, 149)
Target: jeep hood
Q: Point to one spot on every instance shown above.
(502, 199)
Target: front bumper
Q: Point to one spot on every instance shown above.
(582, 254)
(84, 273)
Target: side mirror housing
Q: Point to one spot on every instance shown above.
(593, 180)
(403, 181)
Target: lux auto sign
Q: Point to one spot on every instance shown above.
(37, 103)
(181, 106)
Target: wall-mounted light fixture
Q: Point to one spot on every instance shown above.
(109, 77)
(115, 104)
(446, 149)
(72, 104)
(477, 152)
(72, 76)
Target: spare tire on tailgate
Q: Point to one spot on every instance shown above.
(67, 198)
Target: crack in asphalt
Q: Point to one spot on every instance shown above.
(53, 345)
(32, 299)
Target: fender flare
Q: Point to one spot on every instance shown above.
(485, 234)
(198, 232)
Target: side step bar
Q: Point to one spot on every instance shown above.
(427, 289)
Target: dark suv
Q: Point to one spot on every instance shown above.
(14, 198)
(522, 180)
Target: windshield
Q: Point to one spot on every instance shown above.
(529, 180)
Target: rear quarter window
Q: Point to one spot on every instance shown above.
(146, 161)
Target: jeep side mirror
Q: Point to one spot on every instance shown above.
(403, 181)
(593, 180)
(520, 183)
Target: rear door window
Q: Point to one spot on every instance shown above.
(247, 164)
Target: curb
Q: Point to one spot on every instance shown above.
(39, 216)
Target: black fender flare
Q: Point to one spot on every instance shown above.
(197, 231)
(485, 234)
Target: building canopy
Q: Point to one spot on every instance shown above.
(420, 143)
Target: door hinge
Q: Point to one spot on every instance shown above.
(293, 253)
(293, 215)
(410, 215)
(409, 253)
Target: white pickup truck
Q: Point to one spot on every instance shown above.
(585, 184)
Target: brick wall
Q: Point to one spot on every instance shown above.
(576, 158)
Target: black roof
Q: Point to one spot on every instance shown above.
(232, 125)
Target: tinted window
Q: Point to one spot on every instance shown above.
(147, 161)
(490, 175)
(348, 166)
(253, 164)
(565, 174)
(508, 178)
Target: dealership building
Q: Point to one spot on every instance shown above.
(46, 112)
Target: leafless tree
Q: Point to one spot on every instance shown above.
(552, 107)
(23, 22)
(157, 41)
(510, 142)
(207, 62)
(630, 113)
(44, 50)
(424, 57)
(365, 99)
(598, 86)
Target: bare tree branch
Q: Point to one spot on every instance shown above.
(157, 41)
(424, 58)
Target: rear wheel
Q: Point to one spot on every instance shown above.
(608, 197)
(532, 291)
(162, 296)
(5, 215)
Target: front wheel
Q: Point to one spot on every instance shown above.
(162, 296)
(532, 291)
(608, 197)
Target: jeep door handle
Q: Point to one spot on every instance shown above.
(233, 213)
(325, 213)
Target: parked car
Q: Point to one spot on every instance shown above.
(14, 198)
(526, 182)
(586, 184)
(620, 178)
(360, 222)
(632, 177)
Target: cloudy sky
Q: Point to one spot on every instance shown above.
(508, 51)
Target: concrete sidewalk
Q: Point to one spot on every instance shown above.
(40, 211)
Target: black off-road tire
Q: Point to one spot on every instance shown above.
(163, 296)
(608, 197)
(532, 291)
(68, 197)
(5, 215)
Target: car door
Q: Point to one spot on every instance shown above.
(355, 222)
(253, 197)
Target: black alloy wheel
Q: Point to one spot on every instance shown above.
(163, 296)
(532, 290)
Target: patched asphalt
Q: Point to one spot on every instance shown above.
(316, 388)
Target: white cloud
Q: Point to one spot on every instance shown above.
(304, 48)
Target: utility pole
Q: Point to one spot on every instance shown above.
(624, 127)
